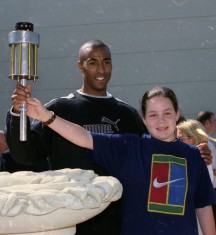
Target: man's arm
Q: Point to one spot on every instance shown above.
(25, 152)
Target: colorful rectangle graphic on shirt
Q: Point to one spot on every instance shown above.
(168, 184)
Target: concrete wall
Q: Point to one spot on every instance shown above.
(169, 42)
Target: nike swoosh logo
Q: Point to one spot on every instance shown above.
(156, 184)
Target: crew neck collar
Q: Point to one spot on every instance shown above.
(108, 95)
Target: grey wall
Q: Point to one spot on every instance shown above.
(169, 42)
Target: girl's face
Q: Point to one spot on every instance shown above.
(160, 118)
(185, 138)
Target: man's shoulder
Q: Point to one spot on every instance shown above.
(124, 104)
(61, 100)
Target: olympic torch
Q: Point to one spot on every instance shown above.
(24, 45)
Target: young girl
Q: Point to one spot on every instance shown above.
(193, 132)
(165, 181)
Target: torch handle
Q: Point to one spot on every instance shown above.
(23, 118)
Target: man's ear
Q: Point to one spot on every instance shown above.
(207, 123)
(79, 65)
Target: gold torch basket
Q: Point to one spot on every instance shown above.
(24, 45)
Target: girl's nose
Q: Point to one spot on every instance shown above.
(161, 118)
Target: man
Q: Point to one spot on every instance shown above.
(91, 107)
(208, 120)
(3, 148)
(3, 144)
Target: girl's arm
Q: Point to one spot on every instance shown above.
(70, 131)
(206, 220)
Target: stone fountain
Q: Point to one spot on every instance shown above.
(53, 202)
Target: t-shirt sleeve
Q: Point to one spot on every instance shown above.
(110, 152)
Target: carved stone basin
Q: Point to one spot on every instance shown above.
(53, 202)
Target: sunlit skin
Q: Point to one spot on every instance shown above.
(96, 67)
(186, 139)
(160, 118)
(211, 125)
(3, 144)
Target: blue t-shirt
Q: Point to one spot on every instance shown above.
(163, 182)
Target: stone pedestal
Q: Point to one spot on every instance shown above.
(53, 202)
(65, 231)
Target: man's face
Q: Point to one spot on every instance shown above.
(96, 67)
(212, 124)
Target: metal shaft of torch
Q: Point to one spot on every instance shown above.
(24, 44)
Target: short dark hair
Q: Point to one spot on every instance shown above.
(204, 116)
(94, 43)
(159, 91)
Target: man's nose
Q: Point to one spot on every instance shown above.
(101, 68)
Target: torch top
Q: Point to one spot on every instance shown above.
(24, 26)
